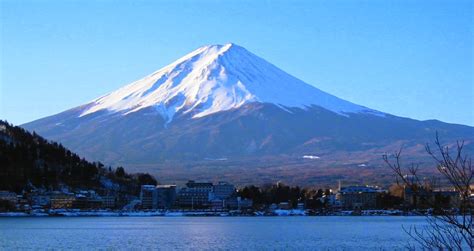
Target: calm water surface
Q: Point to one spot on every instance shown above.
(207, 233)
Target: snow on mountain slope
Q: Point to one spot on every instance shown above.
(217, 78)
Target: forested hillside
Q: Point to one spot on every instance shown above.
(30, 161)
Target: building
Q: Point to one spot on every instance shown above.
(22, 203)
(41, 200)
(238, 203)
(87, 199)
(416, 197)
(109, 201)
(331, 200)
(158, 197)
(358, 197)
(447, 199)
(195, 195)
(198, 195)
(422, 198)
(9, 196)
(273, 207)
(148, 196)
(86, 202)
(62, 200)
(300, 206)
(165, 196)
(218, 204)
(201, 186)
(223, 190)
(231, 203)
(284, 205)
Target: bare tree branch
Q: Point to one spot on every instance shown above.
(447, 228)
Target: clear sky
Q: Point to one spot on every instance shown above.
(408, 58)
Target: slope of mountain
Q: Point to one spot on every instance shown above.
(223, 103)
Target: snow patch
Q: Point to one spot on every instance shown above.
(216, 159)
(311, 157)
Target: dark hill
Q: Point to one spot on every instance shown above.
(28, 160)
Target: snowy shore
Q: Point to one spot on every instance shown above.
(161, 213)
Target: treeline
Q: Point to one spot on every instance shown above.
(28, 160)
(312, 198)
(277, 193)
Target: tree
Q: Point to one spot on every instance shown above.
(146, 179)
(446, 229)
(120, 172)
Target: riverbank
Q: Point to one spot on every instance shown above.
(184, 213)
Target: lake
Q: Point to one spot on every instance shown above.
(207, 233)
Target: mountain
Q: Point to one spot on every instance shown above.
(213, 79)
(221, 111)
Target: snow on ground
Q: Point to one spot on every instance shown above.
(311, 157)
(216, 159)
(183, 213)
(292, 212)
(13, 214)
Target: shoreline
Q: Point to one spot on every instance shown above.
(158, 213)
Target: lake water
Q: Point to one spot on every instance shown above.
(207, 233)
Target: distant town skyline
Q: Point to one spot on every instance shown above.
(411, 59)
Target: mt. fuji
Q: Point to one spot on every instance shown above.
(217, 78)
(221, 111)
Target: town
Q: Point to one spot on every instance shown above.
(224, 199)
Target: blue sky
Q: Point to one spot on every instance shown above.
(408, 58)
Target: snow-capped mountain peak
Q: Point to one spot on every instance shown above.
(217, 78)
